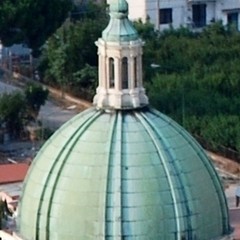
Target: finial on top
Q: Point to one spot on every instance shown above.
(120, 28)
(120, 6)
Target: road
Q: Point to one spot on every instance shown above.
(7, 88)
(51, 115)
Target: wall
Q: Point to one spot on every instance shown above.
(137, 9)
(182, 11)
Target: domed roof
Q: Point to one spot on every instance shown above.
(122, 175)
(119, 29)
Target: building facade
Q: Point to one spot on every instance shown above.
(194, 14)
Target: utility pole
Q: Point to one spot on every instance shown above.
(10, 67)
(158, 15)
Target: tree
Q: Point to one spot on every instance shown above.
(31, 21)
(151, 39)
(86, 81)
(12, 112)
(87, 76)
(72, 49)
(197, 82)
(17, 108)
(35, 96)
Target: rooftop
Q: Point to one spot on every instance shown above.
(11, 173)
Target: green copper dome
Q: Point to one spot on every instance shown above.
(134, 175)
(119, 29)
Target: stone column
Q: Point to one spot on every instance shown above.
(131, 72)
(104, 67)
(139, 70)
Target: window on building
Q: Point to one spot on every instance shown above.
(111, 73)
(135, 73)
(199, 15)
(165, 15)
(232, 19)
(124, 73)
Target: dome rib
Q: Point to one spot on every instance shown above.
(208, 165)
(173, 166)
(152, 133)
(122, 174)
(217, 184)
(77, 134)
(114, 192)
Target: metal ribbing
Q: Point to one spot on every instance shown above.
(152, 133)
(114, 192)
(71, 142)
(109, 149)
(123, 166)
(209, 167)
(179, 179)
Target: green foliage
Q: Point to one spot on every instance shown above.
(12, 112)
(198, 82)
(35, 96)
(88, 10)
(70, 55)
(17, 108)
(150, 37)
(146, 31)
(31, 21)
(87, 76)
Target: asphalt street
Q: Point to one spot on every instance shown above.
(7, 88)
(51, 115)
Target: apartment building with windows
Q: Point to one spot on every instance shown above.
(194, 14)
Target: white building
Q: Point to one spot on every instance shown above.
(194, 14)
